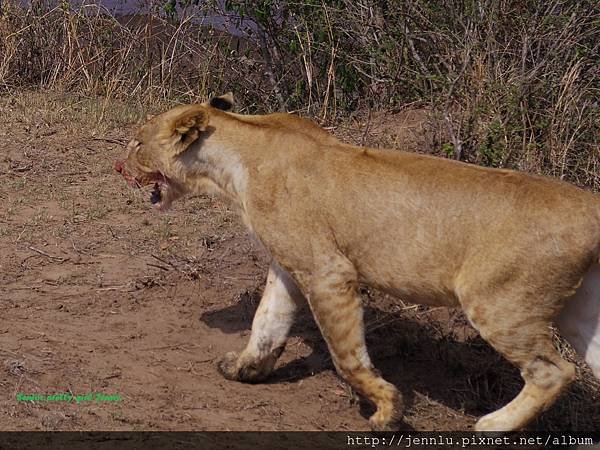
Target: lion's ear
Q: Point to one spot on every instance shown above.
(188, 125)
(223, 102)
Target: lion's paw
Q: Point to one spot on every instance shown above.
(228, 366)
(236, 367)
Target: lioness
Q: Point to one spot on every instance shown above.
(511, 249)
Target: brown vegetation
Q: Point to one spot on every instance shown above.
(510, 84)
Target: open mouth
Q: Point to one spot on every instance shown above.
(156, 196)
(161, 197)
(163, 192)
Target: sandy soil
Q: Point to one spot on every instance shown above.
(101, 294)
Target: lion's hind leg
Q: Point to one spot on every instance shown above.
(522, 334)
(579, 322)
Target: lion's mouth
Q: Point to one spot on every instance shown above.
(156, 196)
(162, 194)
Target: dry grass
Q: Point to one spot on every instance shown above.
(43, 110)
(146, 58)
(509, 84)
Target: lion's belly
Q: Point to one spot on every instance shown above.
(420, 290)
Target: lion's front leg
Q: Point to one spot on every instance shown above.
(270, 328)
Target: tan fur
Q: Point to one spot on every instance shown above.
(507, 247)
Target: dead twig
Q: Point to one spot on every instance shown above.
(158, 267)
(366, 131)
(22, 169)
(455, 136)
(47, 255)
(111, 141)
(114, 288)
(163, 261)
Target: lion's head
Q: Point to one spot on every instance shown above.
(151, 155)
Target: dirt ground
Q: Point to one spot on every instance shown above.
(100, 294)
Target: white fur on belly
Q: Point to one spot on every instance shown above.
(579, 322)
